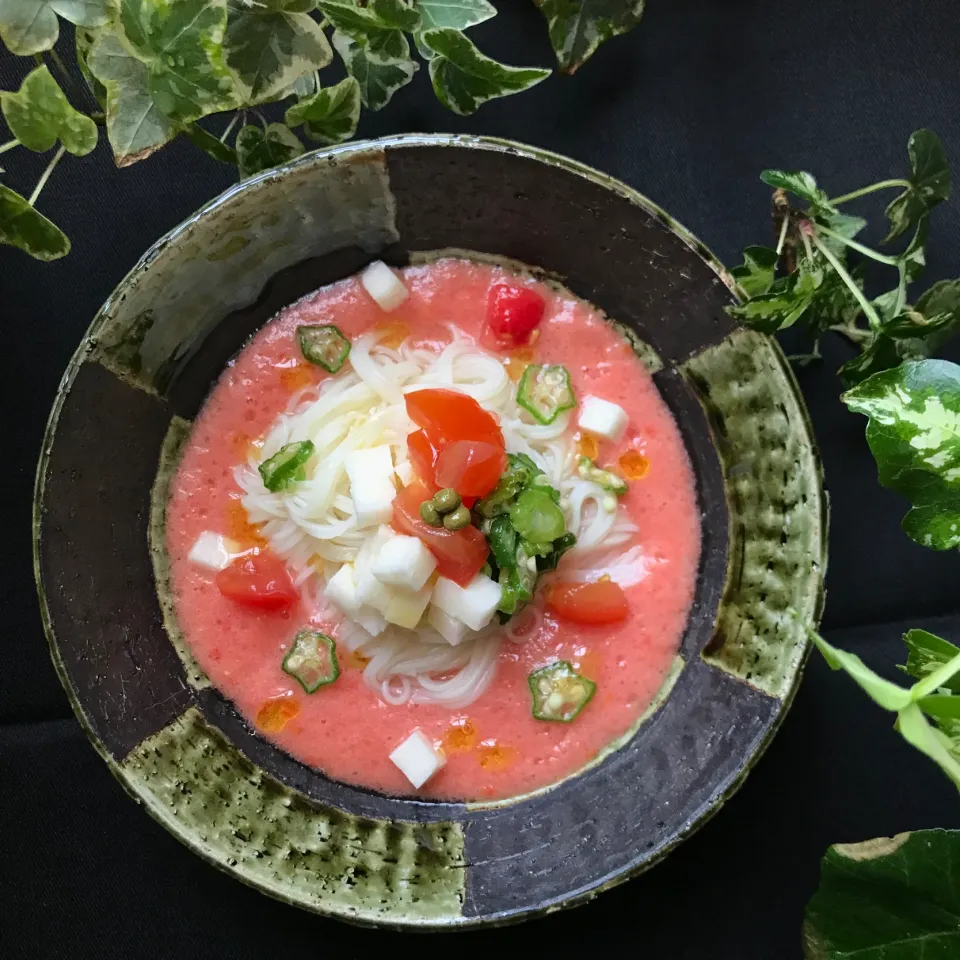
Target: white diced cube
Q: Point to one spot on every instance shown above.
(406, 606)
(405, 472)
(342, 589)
(417, 759)
(371, 621)
(384, 286)
(473, 605)
(453, 631)
(371, 592)
(404, 562)
(602, 418)
(213, 551)
(371, 473)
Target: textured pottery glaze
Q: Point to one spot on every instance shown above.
(180, 749)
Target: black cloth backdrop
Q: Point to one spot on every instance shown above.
(687, 109)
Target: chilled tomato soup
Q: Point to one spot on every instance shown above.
(435, 532)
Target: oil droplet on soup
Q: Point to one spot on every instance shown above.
(392, 334)
(239, 528)
(587, 446)
(634, 465)
(461, 736)
(496, 756)
(276, 713)
(298, 377)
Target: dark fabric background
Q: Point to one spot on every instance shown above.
(687, 109)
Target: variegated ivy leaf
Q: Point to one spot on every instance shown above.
(464, 79)
(914, 434)
(381, 66)
(357, 21)
(39, 114)
(135, 126)
(260, 149)
(270, 49)
(455, 14)
(180, 41)
(31, 26)
(330, 115)
(578, 27)
(22, 226)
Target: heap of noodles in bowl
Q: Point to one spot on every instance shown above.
(435, 531)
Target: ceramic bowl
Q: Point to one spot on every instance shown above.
(180, 749)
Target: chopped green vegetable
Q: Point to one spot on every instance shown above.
(545, 392)
(516, 585)
(430, 514)
(610, 482)
(536, 517)
(521, 471)
(324, 345)
(446, 500)
(560, 546)
(312, 660)
(286, 465)
(559, 692)
(503, 541)
(457, 519)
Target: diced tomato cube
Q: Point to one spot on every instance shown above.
(513, 313)
(472, 467)
(258, 579)
(601, 602)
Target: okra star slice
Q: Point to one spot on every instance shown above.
(324, 345)
(286, 465)
(559, 692)
(312, 660)
(545, 392)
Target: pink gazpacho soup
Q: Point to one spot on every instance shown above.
(435, 532)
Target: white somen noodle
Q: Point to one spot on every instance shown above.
(313, 527)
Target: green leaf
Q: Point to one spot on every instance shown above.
(786, 301)
(883, 692)
(30, 26)
(356, 21)
(801, 184)
(397, 14)
(927, 653)
(135, 126)
(380, 68)
(84, 41)
(929, 183)
(840, 223)
(918, 732)
(464, 79)
(331, 114)
(22, 226)
(880, 353)
(271, 49)
(180, 41)
(756, 273)
(888, 899)
(209, 144)
(578, 27)
(914, 434)
(259, 149)
(455, 14)
(39, 114)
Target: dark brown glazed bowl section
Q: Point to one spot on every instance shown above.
(180, 749)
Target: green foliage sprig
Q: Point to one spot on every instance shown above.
(155, 68)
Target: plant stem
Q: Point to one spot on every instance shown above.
(865, 304)
(863, 191)
(783, 234)
(9, 145)
(230, 126)
(806, 244)
(45, 176)
(859, 247)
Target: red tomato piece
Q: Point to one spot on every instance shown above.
(597, 603)
(460, 554)
(471, 467)
(447, 415)
(258, 580)
(423, 456)
(513, 312)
